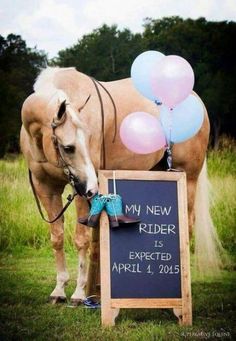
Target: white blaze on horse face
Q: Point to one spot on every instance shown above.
(87, 167)
(75, 133)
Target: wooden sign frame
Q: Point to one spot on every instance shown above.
(182, 307)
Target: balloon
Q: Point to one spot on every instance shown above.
(142, 133)
(184, 121)
(141, 70)
(172, 80)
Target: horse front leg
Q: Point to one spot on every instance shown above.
(57, 239)
(51, 199)
(82, 242)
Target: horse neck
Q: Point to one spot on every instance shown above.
(75, 84)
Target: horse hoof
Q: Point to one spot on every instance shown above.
(57, 299)
(75, 302)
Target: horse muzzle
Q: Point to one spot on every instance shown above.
(83, 191)
(83, 188)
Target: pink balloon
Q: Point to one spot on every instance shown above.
(173, 81)
(142, 133)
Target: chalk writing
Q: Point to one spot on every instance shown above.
(145, 258)
(158, 210)
(141, 255)
(120, 267)
(158, 243)
(137, 209)
(156, 228)
(134, 209)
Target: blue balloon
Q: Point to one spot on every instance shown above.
(184, 121)
(141, 70)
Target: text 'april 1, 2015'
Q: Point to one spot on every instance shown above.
(150, 262)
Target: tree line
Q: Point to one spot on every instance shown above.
(107, 54)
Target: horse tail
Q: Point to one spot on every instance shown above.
(209, 252)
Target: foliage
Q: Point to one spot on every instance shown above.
(107, 54)
(208, 46)
(19, 66)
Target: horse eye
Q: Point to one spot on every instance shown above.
(69, 149)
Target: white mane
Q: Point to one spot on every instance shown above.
(44, 83)
(45, 86)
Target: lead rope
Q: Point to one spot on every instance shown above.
(70, 198)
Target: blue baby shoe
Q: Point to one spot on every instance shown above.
(97, 205)
(114, 209)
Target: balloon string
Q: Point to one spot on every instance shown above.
(169, 143)
(170, 128)
(114, 182)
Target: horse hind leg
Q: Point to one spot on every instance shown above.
(52, 202)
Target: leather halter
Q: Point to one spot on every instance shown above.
(60, 159)
(68, 173)
(70, 198)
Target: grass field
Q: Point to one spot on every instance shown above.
(27, 273)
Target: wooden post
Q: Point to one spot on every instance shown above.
(186, 316)
(108, 313)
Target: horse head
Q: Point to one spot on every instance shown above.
(71, 138)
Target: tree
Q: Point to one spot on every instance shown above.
(208, 46)
(106, 53)
(19, 66)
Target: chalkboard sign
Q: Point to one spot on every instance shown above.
(146, 264)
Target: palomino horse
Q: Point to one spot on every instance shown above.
(71, 101)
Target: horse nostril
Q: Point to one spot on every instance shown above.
(89, 194)
(80, 187)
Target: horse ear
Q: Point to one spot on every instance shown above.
(61, 111)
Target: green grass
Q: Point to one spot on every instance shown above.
(27, 279)
(27, 272)
(222, 174)
(20, 222)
